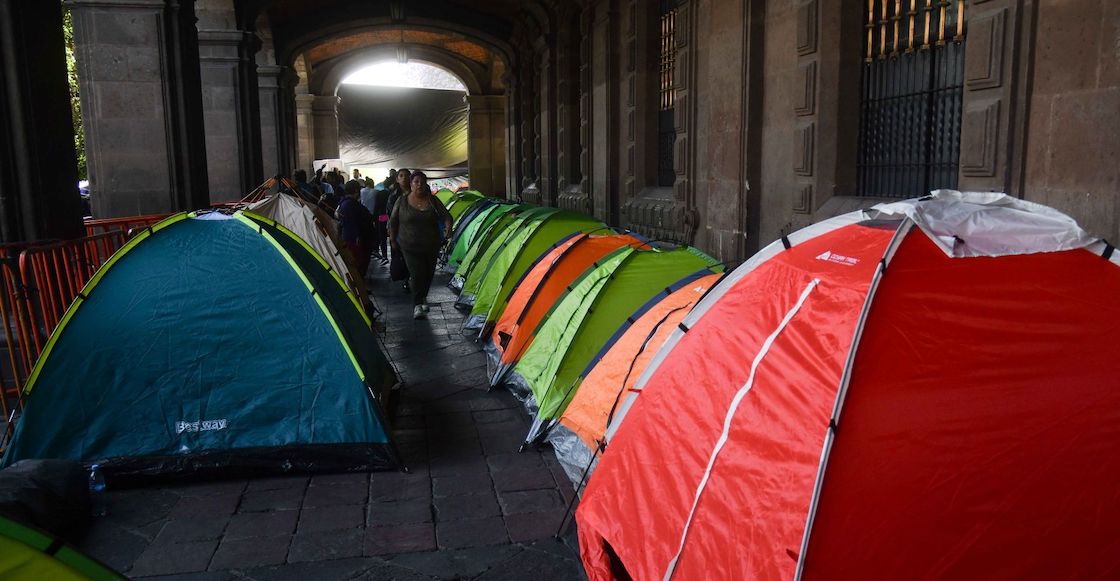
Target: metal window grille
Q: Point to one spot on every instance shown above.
(910, 115)
(666, 125)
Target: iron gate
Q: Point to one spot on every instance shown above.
(910, 118)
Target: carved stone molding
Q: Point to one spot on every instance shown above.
(804, 143)
(576, 200)
(807, 96)
(658, 215)
(983, 67)
(803, 203)
(979, 155)
(807, 27)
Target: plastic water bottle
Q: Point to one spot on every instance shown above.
(97, 491)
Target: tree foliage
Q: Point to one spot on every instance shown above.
(75, 98)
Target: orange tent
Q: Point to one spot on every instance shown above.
(586, 419)
(534, 296)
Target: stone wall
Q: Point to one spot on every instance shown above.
(1073, 136)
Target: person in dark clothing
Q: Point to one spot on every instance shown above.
(414, 227)
(381, 224)
(355, 225)
(398, 269)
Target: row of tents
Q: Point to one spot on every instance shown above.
(926, 389)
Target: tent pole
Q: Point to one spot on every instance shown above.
(582, 480)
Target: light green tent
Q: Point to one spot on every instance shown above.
(445, 196)
(586, 318)
(474, 230)
(461, 202)
(498, 279)
(483, 240)
(472, 277)
(27, 554)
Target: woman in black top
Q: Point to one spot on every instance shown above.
(414, 228)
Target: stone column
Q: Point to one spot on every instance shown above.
(324, 109)
(305, 131)
(230, 102)
(486, 144)
(274, 88)
(138, 72)
(38, 168)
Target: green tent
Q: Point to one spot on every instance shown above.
(510, 263)
(461, 202)
(474, 229)
(210, 343)
(445, 195)
(476, 269)
(27, 554)
(586, 317)
(484, 239)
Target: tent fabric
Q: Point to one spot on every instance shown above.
(319, 231)
(586, 318)
(463, 201)
(444, 195)
(483, 241)
(520, 252)
(539, 290)
(27, 554)
(584, 422)
(954, 444)
(234, 350)
(474, 272)
(474, 230)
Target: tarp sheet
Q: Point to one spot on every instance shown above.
(398, 127)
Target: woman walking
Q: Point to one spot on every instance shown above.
(414, 229)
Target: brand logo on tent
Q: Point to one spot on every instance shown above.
(203, 426)
(830, 256)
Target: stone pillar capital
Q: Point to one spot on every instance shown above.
(325, 104)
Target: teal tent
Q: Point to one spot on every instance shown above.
(210, 344)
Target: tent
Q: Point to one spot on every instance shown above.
(233, 349)
(474, 226)
(538, 290)
(462, 201)
(27, 554)
(584, 320)
(510, 261)
(474, 274)
(316, 228)
(926, 390)
(614, 372)
(487, 239)
(444, 195)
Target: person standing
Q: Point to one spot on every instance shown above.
(414, 227)
(398, 270)
(355, 225)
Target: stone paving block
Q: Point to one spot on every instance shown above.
(191, 507)
(510, 480)
(466, 506)
(114, 545)
(256, 552)
(267, 500)
(496, 400)
(336, 495)
(400, 512)
(200, 528)
(458, 563)
(497, 416)
(278, 482)
(475, 532)
(132, 509)
(533, 564)
(533, 526)
(332, 518)
(219, 488)
(528, 460)
(528, 501)
(349, 479)
(322, 546)
(262, 524)
(465, 484)
(352, 568)
(172, 558)
(458, 465)
(392, 486)
(389, 540)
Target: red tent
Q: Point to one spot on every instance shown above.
(927, 390)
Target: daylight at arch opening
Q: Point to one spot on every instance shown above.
(411, 75)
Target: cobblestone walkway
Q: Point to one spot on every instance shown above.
(471, 508)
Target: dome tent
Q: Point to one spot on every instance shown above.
(235, 350)
(905, 392)
(471, 227)
(485, 238)
(28, 554)
(536, 293)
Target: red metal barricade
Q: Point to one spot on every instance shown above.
(102, 225)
